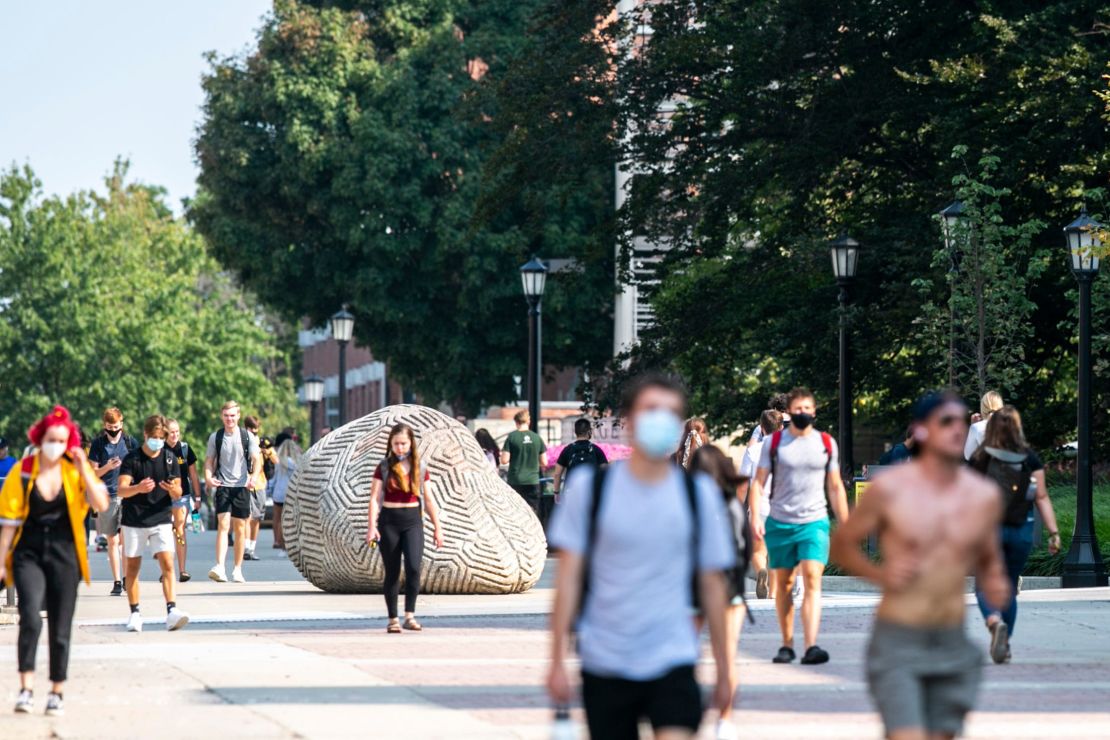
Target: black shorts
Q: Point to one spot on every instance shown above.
(235, 500)
(615, 706)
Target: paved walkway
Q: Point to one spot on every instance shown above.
(275, 658)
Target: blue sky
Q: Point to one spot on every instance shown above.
(85, 82)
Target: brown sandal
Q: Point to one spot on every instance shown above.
(394, 628)
(412, 624)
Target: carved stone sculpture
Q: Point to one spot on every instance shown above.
(493, 543)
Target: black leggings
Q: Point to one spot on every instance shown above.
(402, 533)
(44, 566)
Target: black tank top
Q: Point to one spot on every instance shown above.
(45, 512)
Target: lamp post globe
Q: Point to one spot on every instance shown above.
(313, 394)
(342, 329)
(1083, 565)
(845, 260)
(533, 278)
(951, 220)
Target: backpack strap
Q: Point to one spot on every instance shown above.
(692, 500)
(219, 449)
(245, 438)
(591, 535)
(776, 440)
(826, 439)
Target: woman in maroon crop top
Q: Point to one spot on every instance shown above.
(398, 498)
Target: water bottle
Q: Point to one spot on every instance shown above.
(196, 522)
(562, 728)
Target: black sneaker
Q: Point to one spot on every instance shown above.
(117, 589)
(250, 556)
(785, 655)
(55, 707)
(815, 656)
(1000, 642)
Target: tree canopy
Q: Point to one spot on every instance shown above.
(342, 162)
(107, 300)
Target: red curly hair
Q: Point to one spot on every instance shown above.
(59, 417)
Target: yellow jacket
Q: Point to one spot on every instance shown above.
(15, 504)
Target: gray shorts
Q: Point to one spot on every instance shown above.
(258, 504)
(926, 678)
(108, 521)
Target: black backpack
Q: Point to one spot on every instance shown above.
(583, 454)
(742, 537)
(246, 440)
(1013, 477)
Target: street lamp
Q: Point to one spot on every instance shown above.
(951, 220)
(845, 257)
(1083, 565)
(342, 327)
(533, 276)
(313, 393)
(952, 226)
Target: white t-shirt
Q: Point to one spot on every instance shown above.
(974, 438)
(637, 623)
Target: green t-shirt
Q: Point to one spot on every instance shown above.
(524, 450)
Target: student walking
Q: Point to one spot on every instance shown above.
(106, 455)
(189, 503)
(694, 436)
(802, 464)
(288, 459)
(398, 498)
(770, 421)
(718, 466)
(526, 455)
(635, 541)
(937, 522)
(43, 552)
(259, 485)
(988, 404)
(489, 447)
(579, 452)
(1006, 458)
(231, 458)
(149, 484)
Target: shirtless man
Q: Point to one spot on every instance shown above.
(937, 521)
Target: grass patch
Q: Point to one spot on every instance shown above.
(1062, 493)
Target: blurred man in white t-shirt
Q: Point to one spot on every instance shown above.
(769, 422)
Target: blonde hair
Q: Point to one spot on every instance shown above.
(229, 405)
(991, 402)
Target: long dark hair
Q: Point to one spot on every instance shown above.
(414, 456)
(487, 442)
(709, 459)
(695, 435)
(1004, 431)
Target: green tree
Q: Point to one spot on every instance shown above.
(793, 121)
(979, 332)
(107, 300)
(342, 160)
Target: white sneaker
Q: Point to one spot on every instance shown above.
(135, 622)
(218, 574)
(726, 730)
(237, 576)
(799, 592)
(176, 619)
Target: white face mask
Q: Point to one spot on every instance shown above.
(53, 450)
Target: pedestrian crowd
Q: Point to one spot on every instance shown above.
(652, 550)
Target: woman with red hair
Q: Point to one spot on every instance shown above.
(43, 504)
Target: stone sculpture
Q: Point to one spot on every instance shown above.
(494, 544)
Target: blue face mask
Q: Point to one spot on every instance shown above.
(155, 445)
(658, 433)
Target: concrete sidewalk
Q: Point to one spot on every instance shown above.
(277, 658)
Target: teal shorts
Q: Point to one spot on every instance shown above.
(790, 544)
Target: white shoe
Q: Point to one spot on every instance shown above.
(237, 576)
(135, 622)
(726, 730)
(218, 574)
(176, 619)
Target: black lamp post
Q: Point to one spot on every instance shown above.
(342, 327)
(951, 223)
(313, 393)
(1083, 565)
(533, 275)
(845, 256)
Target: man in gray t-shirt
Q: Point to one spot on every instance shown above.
(636, 634)
(228, 471)
(805, 466)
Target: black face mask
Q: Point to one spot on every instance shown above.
(802, 421)
(113, 434)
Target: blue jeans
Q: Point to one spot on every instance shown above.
(1017, 543)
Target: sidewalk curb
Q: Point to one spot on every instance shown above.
(854, 585)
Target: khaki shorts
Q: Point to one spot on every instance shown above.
(157, 539)
(924, 678)
(108, 521)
